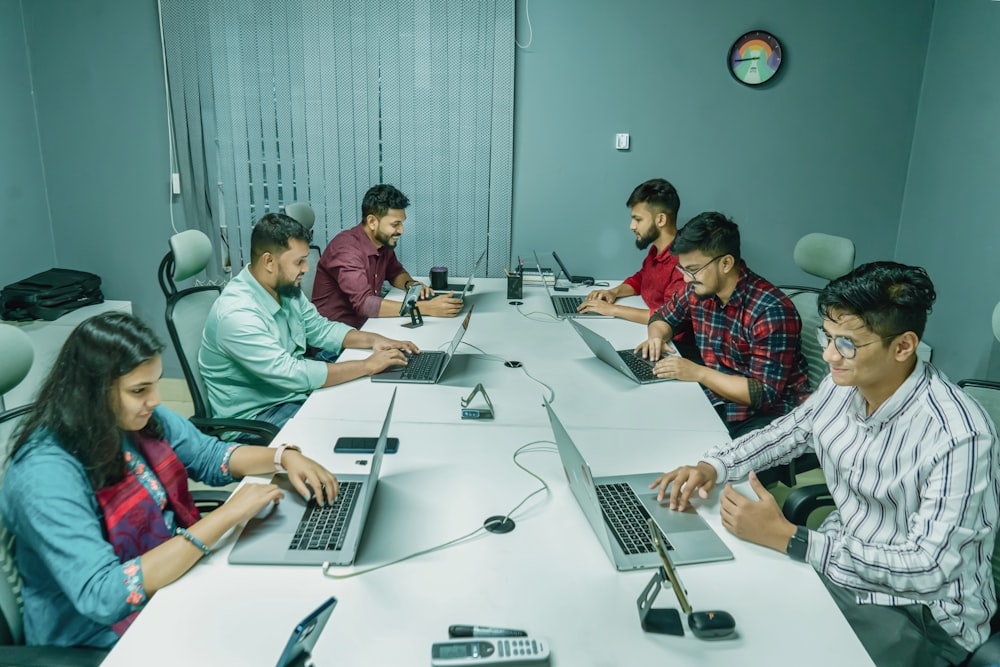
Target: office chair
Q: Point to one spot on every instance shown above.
(186, 314)
(802, 501)
(303, 213)
(16, 356)
(827, 257)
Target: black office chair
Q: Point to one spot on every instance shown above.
(186, 314)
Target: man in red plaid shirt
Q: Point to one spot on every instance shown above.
(746, 329)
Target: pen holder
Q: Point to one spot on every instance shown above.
(515, 286)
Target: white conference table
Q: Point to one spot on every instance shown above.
(550, 576)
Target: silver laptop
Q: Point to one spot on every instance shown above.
(565, 305)
(425, 367)
(617, 509)
(468, 283)
(626, 362)
(295, 532)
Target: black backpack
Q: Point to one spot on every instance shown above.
(50, 294)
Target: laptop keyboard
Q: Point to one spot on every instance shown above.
(421, 366)
(323, 528)
(566, 305)
(626, 516)
(642, 368)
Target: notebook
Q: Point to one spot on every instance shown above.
(294, 532)
(468, 283)
(617, 509)
(565, 305)
(428, 366)
(626, 362)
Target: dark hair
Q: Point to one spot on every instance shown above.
(659, 195)
(380, 198)
(272, 232)
(710, 233)
(74, 402)
(890, 298)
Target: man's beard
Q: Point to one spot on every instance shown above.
(290, 290)
(387, 239)
(644, 242)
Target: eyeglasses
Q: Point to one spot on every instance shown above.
(691, 274)
(846, 347)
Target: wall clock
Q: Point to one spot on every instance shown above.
(755, 58)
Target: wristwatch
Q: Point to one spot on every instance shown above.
(798, 546)
(277, 456)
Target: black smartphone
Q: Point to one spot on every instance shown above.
(305, 636)
(349, 445)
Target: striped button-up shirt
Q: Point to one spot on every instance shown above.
(916, 490)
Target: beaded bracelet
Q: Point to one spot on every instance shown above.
(183, 532)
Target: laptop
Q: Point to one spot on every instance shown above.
(428, 366)
(295, 532)
(468, 283)
(565, 305)
(576, 280)
(626, 362)
(617, 509)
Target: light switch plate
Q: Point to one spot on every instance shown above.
(621, 141)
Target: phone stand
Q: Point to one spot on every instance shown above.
(416, 319)
(661, 621)
(477, 412)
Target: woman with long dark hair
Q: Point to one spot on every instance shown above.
(95, 492)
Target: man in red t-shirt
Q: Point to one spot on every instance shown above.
(654, 205)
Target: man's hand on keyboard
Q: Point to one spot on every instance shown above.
(683, 482)
(598, 306)
(383, 359)
(383, 343)
(445, 305)
(677, 368)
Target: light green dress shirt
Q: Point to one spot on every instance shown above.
(252, 349)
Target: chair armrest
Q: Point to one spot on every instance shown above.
(264, 431)
(803, 500)
(207, 500)
(987, 655)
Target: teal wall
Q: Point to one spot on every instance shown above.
(951, 208)
(101, 105)
(827, 147)
(24, 215)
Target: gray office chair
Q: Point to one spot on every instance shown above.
(186, 314)
(303, 213)
(826, 257)
(16, 356)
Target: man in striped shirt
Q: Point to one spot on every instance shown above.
(912, 466)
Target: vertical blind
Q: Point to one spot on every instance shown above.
(316, 101)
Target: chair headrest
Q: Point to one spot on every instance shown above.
(996, 321)
(302, 212)
(16, 356)
(824, 255)
(192, 250)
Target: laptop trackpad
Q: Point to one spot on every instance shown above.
(672, 521)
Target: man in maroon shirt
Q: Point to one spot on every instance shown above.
(351, 271)
(654, 205)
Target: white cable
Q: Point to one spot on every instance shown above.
(493, 357)
(545, 487)
(551, 318)
(171, 149)
(531, 33)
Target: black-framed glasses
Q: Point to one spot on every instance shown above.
(691, 274)
(846, 347)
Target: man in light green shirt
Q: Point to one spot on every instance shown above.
(253, 348)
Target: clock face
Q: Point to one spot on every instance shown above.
(755, 58)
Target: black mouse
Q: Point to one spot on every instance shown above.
(711, 624)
